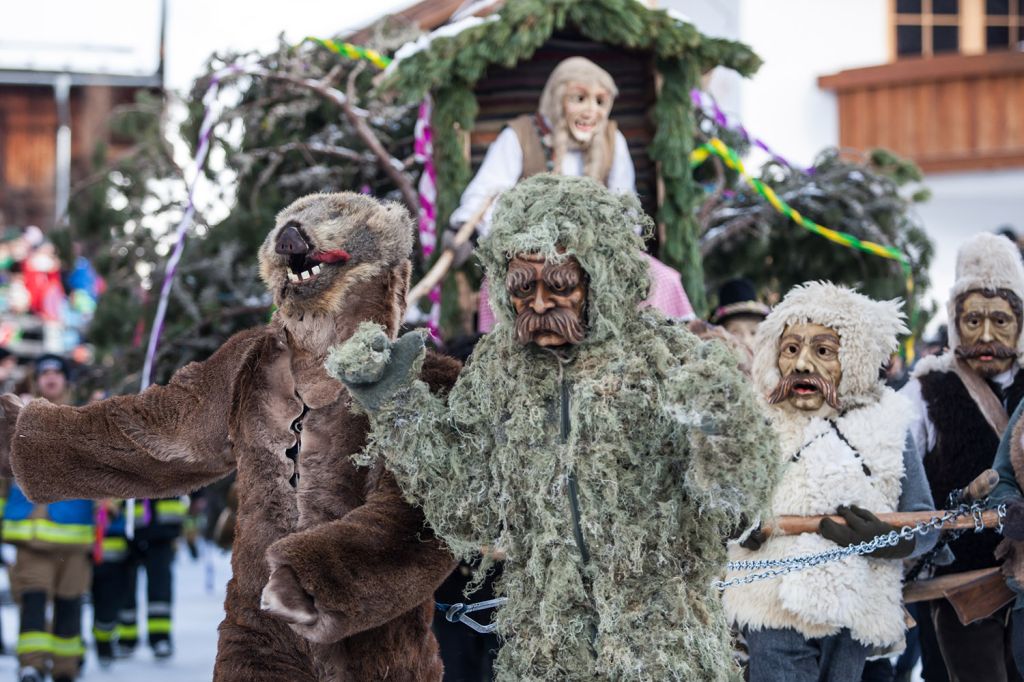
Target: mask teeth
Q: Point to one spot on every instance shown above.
(316, 269)
(292, 277)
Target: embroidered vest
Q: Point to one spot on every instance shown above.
(536, 156)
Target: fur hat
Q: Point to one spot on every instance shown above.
(986, 261)
(868, 331)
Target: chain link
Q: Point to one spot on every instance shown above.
(773, 568)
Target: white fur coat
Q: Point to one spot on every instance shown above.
(859, 593)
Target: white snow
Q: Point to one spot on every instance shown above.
(198, 609)
(423, 42)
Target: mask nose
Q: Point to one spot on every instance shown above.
(291, 243)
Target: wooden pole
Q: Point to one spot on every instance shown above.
(794, 525)
(978, 489)
(445, 260)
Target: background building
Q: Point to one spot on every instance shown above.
(939, 81)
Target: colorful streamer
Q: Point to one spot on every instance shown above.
(732, 160)
(709, 105)
(423, 148)
(352, 51)
(205, 133)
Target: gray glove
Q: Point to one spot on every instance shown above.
(462, 252)
(372, 367)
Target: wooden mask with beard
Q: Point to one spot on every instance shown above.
(810, 367)
(988, 322)
(549, 300)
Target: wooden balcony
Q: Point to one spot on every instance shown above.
(947, 113)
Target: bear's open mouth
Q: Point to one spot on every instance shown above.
(306, 267)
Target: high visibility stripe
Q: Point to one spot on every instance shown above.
(115, 548)
(127, 631)
(169, 509)
(104, 635)
(156, 609)
(34, 642)
(68, 646)
(17, 530)
(159, 626)
(48, 531)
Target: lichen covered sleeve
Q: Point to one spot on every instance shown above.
(727, 449)
(440, 461)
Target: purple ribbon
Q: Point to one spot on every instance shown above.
(205, 134)
(706, 103)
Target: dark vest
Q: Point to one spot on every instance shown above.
(965, 445)
(535, 155)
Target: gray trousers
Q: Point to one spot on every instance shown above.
(784, 655)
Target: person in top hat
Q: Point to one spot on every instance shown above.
(739, 311)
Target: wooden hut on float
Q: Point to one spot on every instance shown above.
(488, 63)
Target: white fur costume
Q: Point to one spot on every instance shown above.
(855, 457)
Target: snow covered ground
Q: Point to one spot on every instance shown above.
(198, 609)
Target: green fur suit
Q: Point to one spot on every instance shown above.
(646, 435)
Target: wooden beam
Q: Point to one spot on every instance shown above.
(943, 67)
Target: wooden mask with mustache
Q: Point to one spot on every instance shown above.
(810, 367)
(549, 300)
(988, 324)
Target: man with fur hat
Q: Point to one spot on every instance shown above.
(844, 448)
(604, 449)
(962, 399)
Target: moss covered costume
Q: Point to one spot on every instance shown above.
(609, 473)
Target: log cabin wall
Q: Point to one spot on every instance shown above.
(947, 113)
(28, 151)
(503, 94)
(28, 145)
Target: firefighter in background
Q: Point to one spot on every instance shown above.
(110, 577)
(158, 525)
(53, 543)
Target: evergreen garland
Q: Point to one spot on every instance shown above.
(451, 66)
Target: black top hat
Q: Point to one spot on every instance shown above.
(738, 297)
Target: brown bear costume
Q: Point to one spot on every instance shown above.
(332, 261)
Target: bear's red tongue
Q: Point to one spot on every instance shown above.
(336, 256)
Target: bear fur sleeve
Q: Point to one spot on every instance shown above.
(167, 440)
(378, 561)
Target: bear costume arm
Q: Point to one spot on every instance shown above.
(165, 441)
(377, 562)
(729, 460)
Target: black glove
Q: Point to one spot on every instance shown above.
(754, 541)
(755, 538)
(863, 526)
(373, 368)
(1013, 523)
(462, 252)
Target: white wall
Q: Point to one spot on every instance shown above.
(800, 40)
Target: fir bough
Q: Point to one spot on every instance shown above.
(451, 66)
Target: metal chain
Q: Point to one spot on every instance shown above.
(779, 567)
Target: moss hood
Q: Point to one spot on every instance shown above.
(598, 227)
